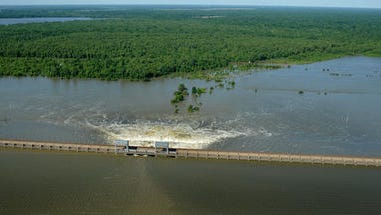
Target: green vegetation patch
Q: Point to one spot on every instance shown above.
(138, 43)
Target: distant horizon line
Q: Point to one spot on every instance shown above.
(180, 4)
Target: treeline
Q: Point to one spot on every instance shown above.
(143, 43)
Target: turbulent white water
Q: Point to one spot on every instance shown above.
(189, 131)
(179, 134)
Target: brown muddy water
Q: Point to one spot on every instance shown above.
(337, 113)
(53, 183)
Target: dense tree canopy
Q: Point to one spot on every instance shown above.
(140, 43)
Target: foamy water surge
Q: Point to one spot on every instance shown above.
(179, 135)
(197, 132)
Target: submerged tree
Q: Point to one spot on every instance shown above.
(180, 94)
(192, 108)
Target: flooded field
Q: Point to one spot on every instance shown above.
(330, 107)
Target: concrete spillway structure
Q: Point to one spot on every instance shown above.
(192, 153)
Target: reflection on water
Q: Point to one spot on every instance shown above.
(49, 183)
(337, 113)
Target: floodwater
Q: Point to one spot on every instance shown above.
(337, 113)
(50, 183)
(13, 21)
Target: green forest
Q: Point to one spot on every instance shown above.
(141, 43)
